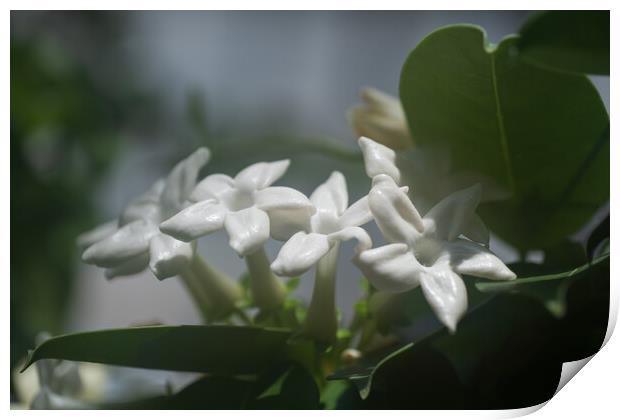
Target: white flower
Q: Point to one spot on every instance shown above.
(247, 207)
(333, 222)
(381, 117)
(429, 251)
(136, 242)
(379, 159)
(428, 170)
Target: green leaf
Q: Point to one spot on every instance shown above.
(218, 349)
(332, 392)
(362, 373)
(597, 237)
(294, 390)
(536, 134)
(206, 393)
(573, 41)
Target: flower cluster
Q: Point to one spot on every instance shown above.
(160, 228)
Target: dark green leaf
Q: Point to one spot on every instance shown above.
(574, 41)
(214, 349)
(206, 393)
(294, 390)
(361, 374)
(559, 258)
(536, 134)
(598, 236)
(332, 393)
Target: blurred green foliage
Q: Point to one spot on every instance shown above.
(66, 129)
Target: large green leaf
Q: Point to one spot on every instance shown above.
(568, 40)
(222, 350)
(539, 135)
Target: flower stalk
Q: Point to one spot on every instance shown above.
(267, 289)
(214, 293)
(321, 321)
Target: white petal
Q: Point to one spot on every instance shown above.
(379, 159)
(476, 230)
(445, 292)
(282, 198)
(391, 268)
(195, 221)
(133, 265)
(212, 187)
(127, 242)
(145, 207)
(102, 231)
(394, 213)
(181, 181)
(248, 230)
(289, 210)
(261, 175)
(169, 257)
(357, 214)
(447, 219)
(364, 242)
(469, 258)
(300, 253)
(331, 196)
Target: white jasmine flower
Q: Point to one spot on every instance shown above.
(333, 222)
(250, 210)
(429, 251)
(247, 207)
(136, 242)
(381, 117)
(379, 159)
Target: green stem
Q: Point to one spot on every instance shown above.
(214, 292)
(267, 289)
(321, 321)
(200, 298)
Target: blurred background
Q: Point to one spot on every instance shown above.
(103, 103)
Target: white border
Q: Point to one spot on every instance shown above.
(592, 393)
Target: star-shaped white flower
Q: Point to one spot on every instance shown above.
(247, 207)
(134, 241)
(379, 159)
(428, 252)
(332, 223)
